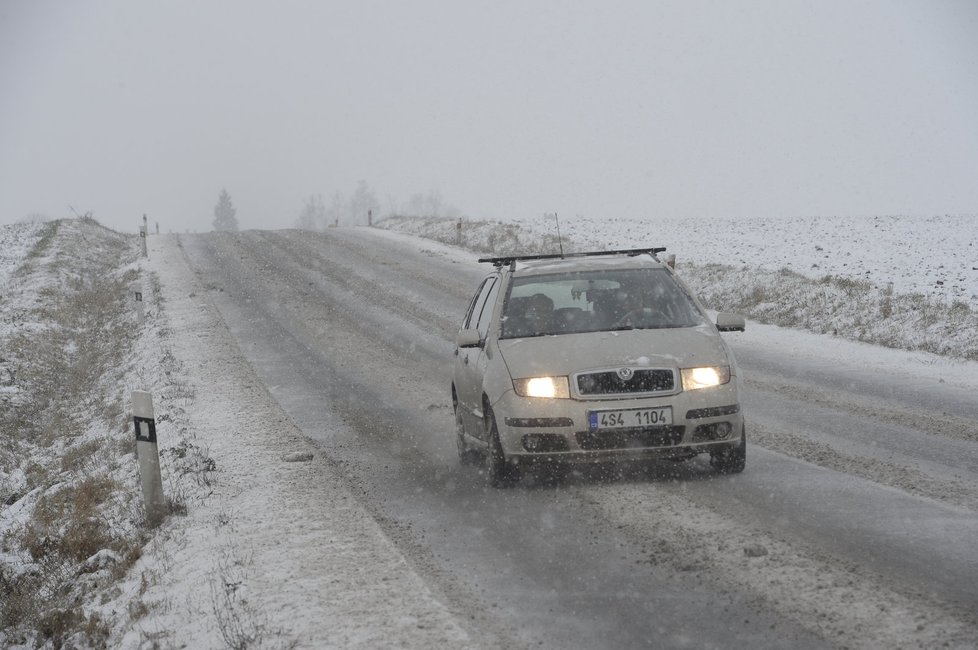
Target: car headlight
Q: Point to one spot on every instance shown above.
(542, 387)
(707, 377)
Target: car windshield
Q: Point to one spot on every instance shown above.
(593, 301)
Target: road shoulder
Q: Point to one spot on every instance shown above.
(274, 545)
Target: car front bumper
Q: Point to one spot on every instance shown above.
(558, 430)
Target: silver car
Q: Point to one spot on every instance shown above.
(593, 357)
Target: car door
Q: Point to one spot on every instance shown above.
(470, 362)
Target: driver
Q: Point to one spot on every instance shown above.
(640, 310)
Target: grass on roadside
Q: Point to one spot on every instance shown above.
(64, 433)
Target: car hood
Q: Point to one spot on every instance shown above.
(568, 353)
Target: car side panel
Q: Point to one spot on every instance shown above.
(471, 362)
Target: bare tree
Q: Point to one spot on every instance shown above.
(338, 209)
(224, 213)
(364, 202)
(415, 205)
(430, 204)
(313, 214)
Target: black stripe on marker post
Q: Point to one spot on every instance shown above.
(145, 429)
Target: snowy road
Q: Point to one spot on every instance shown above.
(853, 525)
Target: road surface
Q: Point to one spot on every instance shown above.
(854, 524)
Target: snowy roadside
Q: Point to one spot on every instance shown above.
(17, 240)
(68, 528)
(276, 548)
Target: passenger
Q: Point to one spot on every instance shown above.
(539, 314)
(529, 316)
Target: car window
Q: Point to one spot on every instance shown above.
(478, 303)
(590, 301)
(467, 319)
(485, 315)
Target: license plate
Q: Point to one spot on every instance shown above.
(630, 418)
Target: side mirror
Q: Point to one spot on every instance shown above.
(727, 322)
(468, 339)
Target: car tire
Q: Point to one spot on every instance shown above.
(500, 472)
(733, 459)
(466, 455)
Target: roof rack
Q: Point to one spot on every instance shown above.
(512, 259)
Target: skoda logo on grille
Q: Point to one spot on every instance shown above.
(625, 374)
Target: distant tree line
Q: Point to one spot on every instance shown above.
(359, 208)
(363, 205)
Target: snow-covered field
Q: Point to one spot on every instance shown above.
(934, 256)
(218, 569)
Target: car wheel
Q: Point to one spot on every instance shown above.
(466, 455)
(731, 460)
(499, 472)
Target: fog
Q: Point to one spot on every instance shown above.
(503, 109)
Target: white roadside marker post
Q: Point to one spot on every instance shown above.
(142, 235)
(136, 291)
(149, 456)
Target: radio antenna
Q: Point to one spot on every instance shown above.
(560, 242)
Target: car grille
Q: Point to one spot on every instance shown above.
(642, 381)
(636, 438)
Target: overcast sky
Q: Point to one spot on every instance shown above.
(508, 109)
